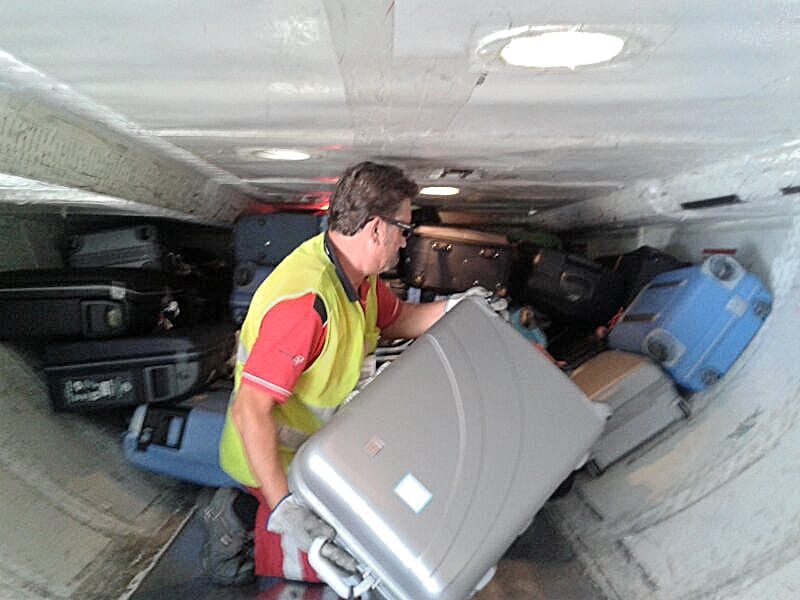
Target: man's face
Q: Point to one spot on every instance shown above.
(394, 238)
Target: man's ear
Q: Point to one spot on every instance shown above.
(375, 229)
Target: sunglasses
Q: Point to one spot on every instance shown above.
(406, 229)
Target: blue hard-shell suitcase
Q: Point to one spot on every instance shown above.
(181, 441)
(268, 239)
(246, 279)
(695, 321)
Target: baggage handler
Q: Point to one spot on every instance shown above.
(301, 348)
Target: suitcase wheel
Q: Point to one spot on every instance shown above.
(709, 377)
(723, 267)
(762, 308)
(658, 349)
(243, 275)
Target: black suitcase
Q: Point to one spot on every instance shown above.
(268, 239)
(163, 367)
(448, 260)
(89, 303)
(573, 347)
(572, 288)
(640, 266)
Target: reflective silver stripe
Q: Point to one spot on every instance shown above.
(292, 565)
(267, 384)
(291, 438)
(242, 353)
(323, 414)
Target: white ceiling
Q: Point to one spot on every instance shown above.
(198, 86)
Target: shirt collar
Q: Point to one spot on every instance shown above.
(352, 296)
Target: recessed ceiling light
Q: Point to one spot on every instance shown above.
(282, 154)
(561, 49)
(439, 191)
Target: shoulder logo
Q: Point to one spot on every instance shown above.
(298, 360)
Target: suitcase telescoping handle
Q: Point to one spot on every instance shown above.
(338, 579)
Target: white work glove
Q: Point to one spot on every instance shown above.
(293, 519)
(496, 303)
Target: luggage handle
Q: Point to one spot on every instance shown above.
(667, 284)
(160, 382)
(336, 577)
(641, 317)
(162, 426)
(100, 318)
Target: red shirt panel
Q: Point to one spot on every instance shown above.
(292, 336)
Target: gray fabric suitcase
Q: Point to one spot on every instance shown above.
(642, 399)
(430, 473)
(136, 246)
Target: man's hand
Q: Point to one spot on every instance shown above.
(495, 303)
(291, 518)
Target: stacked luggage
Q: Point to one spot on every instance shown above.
(117, 326)
(507, 426)
(690, 321)
(686, 325)
(636, 334)
(261, 242)
(181, 440)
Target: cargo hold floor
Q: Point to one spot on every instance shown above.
(538, 566)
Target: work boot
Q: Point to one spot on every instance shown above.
(227, 555)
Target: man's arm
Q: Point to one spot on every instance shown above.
(252, 413)
(414, 319)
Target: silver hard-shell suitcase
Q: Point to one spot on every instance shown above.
(642, 399)
(432, 471)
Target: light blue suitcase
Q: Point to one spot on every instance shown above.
(181, 441)
(246, 279)
(695, 321)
